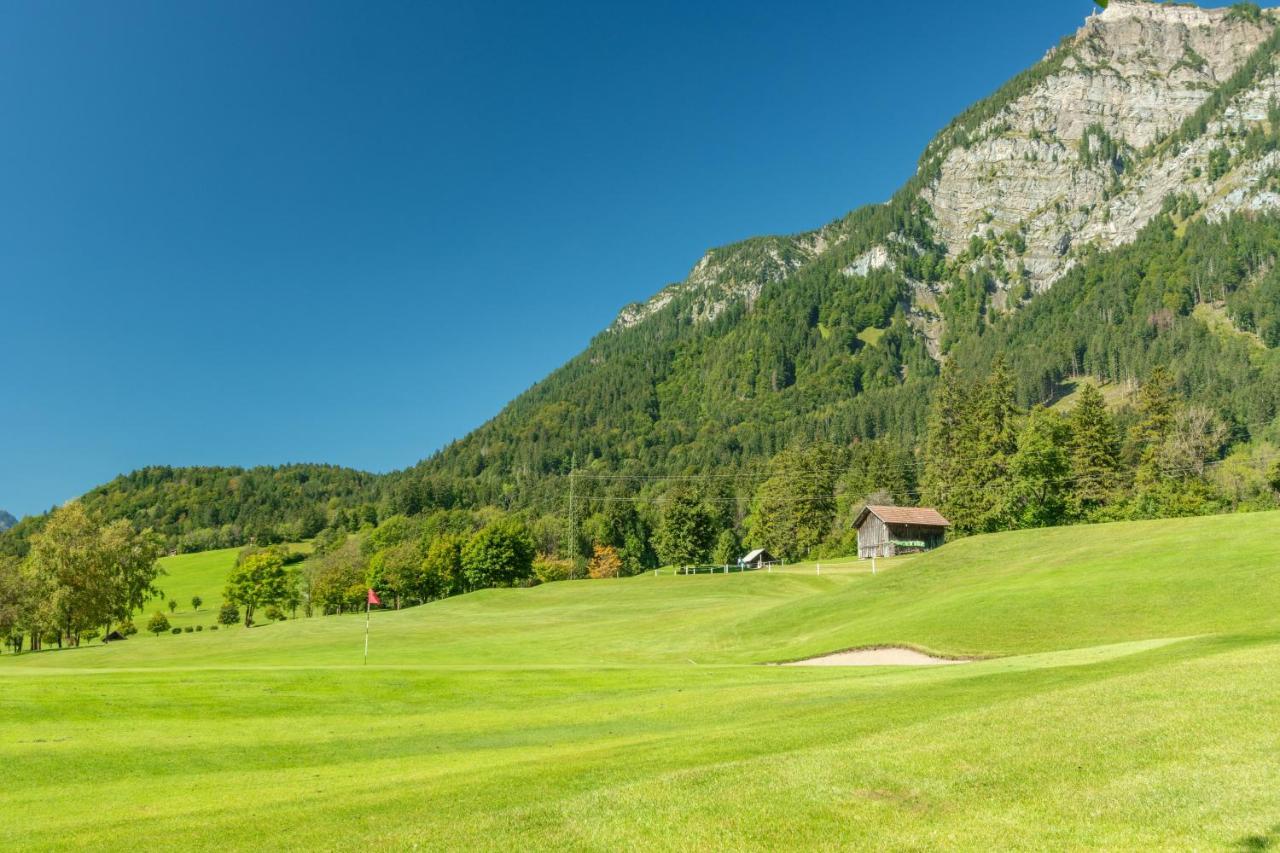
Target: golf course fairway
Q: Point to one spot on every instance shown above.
(1123, 693)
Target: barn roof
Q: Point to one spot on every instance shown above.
(759, 552)
(919, 516)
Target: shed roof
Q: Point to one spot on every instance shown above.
(757, 553)
(916, 515)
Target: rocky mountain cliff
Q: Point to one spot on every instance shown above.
(6, 521)
(1078, 153)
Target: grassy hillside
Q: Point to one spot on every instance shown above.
(186, 575)
(1134, 707)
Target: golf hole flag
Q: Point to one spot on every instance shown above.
(369, 602)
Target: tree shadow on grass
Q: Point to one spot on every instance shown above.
(1269, 840)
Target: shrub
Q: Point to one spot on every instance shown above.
(228, 614)
(199, 627)
(549, 569)
(91, 635)
(159, 623)
(127, 628)
(274, 613)
(213, 627)
(176, 631)
(188, 630)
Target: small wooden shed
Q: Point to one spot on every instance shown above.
(757, 559)
(885, 531)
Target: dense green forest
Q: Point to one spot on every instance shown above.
(199, 509)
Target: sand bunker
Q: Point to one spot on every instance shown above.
(875, 657)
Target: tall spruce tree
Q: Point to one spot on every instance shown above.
(948, 416)
(1095, 460)
(972, 437)
(1157, 406)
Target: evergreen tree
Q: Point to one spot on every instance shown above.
(948, 418)
(1095, 461)
(1156, 408)
(728, 549)
(972, 437)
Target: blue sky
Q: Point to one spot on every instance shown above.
(252, 233)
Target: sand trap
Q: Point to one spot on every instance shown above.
(875, 657)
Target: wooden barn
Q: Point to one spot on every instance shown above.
(757, 559)
(884, 531)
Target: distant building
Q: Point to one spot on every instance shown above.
(757, 559)
(885, 531)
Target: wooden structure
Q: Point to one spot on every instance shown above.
(757, 559)
(885, 531)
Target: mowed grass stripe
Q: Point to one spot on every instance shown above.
(665, 754)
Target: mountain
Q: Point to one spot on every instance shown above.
(6, 521)
(1147, 137)
(1113, 208)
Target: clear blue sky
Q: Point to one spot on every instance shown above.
(246, 233)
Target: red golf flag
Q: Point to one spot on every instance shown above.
(373, 598)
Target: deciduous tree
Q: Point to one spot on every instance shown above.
(500, 554)
(685, 534)
(604, 562)
(259, 581)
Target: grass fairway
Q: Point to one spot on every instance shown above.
(1133, 705)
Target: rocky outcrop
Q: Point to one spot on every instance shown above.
(731, 273)
(1076, 159)
(1144, 102)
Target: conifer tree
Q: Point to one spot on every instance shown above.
(947, 417)
(1095, 458)
(1156, 408)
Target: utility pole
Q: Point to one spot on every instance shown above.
(573, 518)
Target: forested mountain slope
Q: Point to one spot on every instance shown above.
(1081, 219)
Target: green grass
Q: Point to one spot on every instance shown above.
(1218, 321)
(202, 574)
(1114, 394)
(186, 575)
(1133, 705)
(871, 336)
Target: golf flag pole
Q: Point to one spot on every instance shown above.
(371, 600)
